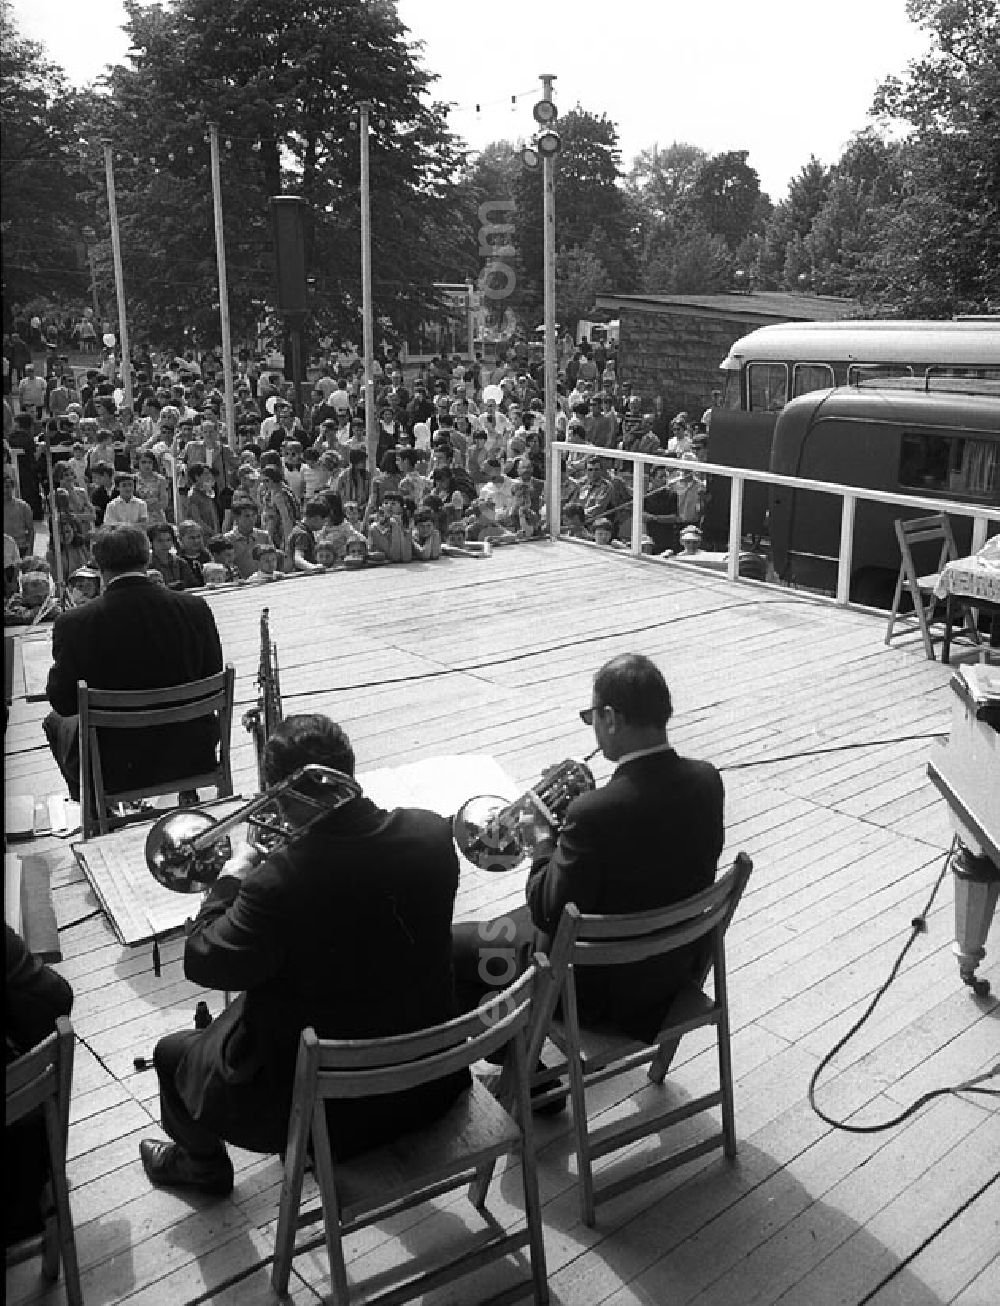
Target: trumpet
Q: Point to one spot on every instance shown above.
(487, 829)
(187, 849)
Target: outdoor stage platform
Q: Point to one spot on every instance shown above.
(822, 734)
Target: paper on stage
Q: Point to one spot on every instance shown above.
(140, 909)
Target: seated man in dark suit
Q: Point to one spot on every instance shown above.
(649, 837)
(347, 929)
(137, 635)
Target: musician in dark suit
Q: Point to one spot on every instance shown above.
(136, 635)
(348, 929)
(649, 837)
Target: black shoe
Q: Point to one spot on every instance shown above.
(170, 1166)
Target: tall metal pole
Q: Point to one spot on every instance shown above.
(549, 317)
(371, 432)
(220, 254)
(116, 250)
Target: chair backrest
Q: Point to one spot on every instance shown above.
(45, 1074)
(623, 939)
(932, 529)
(144, 709)
(362, 1067)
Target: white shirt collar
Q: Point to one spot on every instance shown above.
(643, 752)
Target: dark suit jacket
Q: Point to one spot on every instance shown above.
(347, 930)
(648, 838)
(139, 635)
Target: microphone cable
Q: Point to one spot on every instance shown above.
(917, 926)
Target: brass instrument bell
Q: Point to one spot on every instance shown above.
(487, 828)
(187, 849)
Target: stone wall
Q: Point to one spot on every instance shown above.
(675, 354)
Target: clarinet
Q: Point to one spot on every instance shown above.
(262, 720)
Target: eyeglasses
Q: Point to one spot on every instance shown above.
(587, 714)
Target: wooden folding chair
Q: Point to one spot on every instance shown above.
(458, 1149)
(43, 1078)
(933, 529)
(137, 710)
(593, 1054)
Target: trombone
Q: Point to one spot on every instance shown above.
(186, 849)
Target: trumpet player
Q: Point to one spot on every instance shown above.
(650, 837)
(346, 929)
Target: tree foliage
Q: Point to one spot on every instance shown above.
(40, 214)
(283, 79)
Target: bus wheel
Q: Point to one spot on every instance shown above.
(873, 587)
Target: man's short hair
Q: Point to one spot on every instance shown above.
(635, 687)
(303, 738)
(121, 548)
(316, 508)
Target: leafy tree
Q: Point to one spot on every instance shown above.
(727, 196)
(588, 199)
(40, 216)
(697, 262)
(790, 222)
(580, 275)
(663, 180)
(940, 245)
(283, 79)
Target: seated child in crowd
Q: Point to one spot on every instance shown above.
(482, 524)
(389, 533)
(191, 548)
(268, 565)
(426, 536)
(457, 546)
(223, 555)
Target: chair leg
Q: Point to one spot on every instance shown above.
(661, 1062)
(288, 1211)
(586, 1175)
(331, 1206)
(63, 1216)
(480, 1186)
(897, 598)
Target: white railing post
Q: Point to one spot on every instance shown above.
(555, 489)
(846, 554)
(735, 527)
(638, 485)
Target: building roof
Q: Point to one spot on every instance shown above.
(787, 306)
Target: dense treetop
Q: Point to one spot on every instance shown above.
(907, 221)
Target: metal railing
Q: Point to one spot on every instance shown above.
(850, 495)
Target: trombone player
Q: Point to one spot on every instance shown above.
(347, 928)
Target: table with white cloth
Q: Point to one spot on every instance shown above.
(972, 582)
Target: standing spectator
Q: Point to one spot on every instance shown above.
(201, 506)
(151, 487)
(302, 541)
(125, 508)
(31, 392)
(18, 520)
(102, 481)
(176, 573)
(191, 549)
(246, 535)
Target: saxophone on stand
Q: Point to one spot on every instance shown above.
(262, 720)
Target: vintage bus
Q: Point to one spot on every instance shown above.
(938, 444)
(768, 368)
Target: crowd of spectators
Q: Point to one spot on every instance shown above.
(459, 465)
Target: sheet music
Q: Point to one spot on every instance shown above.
(440, 784)
(138, 908)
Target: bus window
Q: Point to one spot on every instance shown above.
(731, 390)
(954, 465)
(767, 387)
(811, 376)
(858, 372)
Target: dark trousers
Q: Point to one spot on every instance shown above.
(63, 735)
(176, 1119)
(489, 955)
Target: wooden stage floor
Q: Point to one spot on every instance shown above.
(822, 734)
